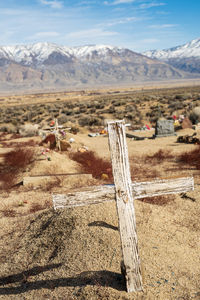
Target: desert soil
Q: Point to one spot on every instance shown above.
(75, 253)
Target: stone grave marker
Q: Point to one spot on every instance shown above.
(164, 128)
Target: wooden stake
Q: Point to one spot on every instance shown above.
(125, 205)
(57, 135)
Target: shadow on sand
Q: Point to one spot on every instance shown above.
(102, 278)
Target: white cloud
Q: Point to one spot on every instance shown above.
(160, 26)
(45, 34)
(116, 2)
(53, 3)
(121, 21)
(91, 33)
(152, 4)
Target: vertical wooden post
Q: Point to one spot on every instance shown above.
(57, 135)
(125, 205)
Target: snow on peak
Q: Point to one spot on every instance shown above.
(102, 50)
(191, 49)
(39, 52)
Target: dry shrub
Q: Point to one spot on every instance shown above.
(49, 186)
(19, 158)
(74, 130)
(143, 173)
(15, 136)
(159, 156)
(29, 130)
(191, 158)
(91, 164)
(30, 143)
(3, 135)
(14, 162)
(8, 212)
(8, 179)
(158, 200)
(37, 206)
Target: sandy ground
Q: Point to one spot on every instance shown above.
(76, 253)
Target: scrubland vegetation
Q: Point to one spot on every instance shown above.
(135, 107)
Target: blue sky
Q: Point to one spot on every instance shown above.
(135, 24)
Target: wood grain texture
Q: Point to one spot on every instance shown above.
(105, 193)
(125, 205)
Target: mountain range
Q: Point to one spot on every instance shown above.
(185, 57)
(45, 66)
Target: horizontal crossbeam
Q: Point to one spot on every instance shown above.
(105, 193)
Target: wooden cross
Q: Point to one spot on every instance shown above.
(124, 191)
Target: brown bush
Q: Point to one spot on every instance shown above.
(159, 200)
(19, 158)
(14, 162)
(30, 143)
(8, 212)
(74, 130)
(8, 179)
(191, 158)
(37, 207)
(15, 136)
(159, 156)
(143, 173)
(2, 136)
(92, 164)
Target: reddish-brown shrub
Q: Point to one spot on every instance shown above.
(19, 158)
(159, 200)
(36, 206)
(30, 143)
(14, 162)
(8, 179)
(92, 164)
(2, 135)
(191, 158)
(8, 212)
(142, 172)
(15, 136)
(159, 156)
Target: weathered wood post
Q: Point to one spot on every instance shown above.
(57, 135)
(125, 205)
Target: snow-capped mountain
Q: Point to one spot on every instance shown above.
(40, 52)
(191, 49)
(185, 57)
(46, 66)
